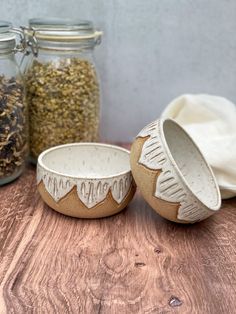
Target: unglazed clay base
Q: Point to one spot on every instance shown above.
(86, 180)
(172, 174)
(72, 206)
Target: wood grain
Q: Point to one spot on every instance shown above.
(133, 262)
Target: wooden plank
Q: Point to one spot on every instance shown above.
(134, 262)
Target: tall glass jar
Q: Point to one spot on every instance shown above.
(13, 111)
(62, 85)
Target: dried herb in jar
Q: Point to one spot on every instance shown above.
(13, 127)
(63, 99)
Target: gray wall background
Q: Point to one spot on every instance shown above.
(152, 51)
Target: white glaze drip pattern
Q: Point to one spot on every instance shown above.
(168, 186)
(90, 191)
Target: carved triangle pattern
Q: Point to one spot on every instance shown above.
(168, 186)
(90, 192)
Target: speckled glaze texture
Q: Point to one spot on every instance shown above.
(90, 191)
(171, 185)
(93, 170)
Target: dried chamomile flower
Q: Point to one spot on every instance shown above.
(63, 98)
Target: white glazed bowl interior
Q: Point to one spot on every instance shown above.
(86, 160)
(191, 165)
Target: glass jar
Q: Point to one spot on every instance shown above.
(62, 85)
(13, 111)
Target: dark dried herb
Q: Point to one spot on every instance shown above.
(13, 127)
(63, 100)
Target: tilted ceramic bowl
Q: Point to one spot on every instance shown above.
(86, 180)
(172, 173)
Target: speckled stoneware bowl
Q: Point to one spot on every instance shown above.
(172, 173)
(86, 180)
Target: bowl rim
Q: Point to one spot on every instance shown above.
(116, 147)
(179, 173)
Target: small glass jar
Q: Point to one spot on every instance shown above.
(13, 110)
(62, 85)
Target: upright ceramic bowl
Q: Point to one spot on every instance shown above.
(86, 180)
(172, 173)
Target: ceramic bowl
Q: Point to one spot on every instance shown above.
(172, 173)
(86, 180)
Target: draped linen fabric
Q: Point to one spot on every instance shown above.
(211, 122)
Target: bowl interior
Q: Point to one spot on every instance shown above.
(86, 160)
(192, 165)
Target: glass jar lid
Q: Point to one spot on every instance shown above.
(7, 36)
(5, 26)
(11, 39)
(64, 30)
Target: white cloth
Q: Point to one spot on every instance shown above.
(211, 121)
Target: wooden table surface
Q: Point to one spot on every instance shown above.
(133, 262)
